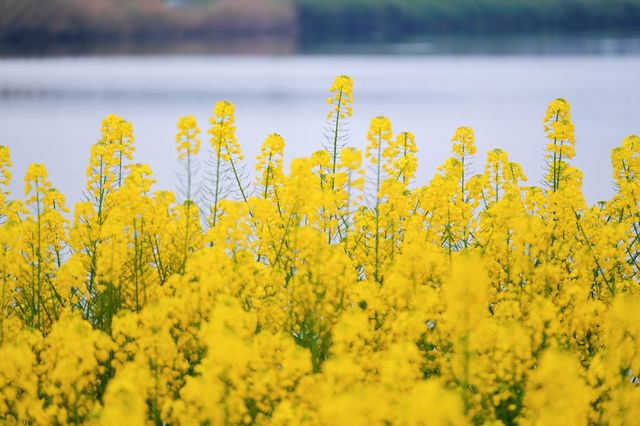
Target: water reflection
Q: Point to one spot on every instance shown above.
(536, 45)
(50, 108)
(596, 43)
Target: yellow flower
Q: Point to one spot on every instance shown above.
(341, 98)
(556, 393)
(187, 138)
(223, 131)
(463, 142)
(312, 298)
(561, 147)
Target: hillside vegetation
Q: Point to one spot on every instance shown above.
(72, 20)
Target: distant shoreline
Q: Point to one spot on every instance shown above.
(571, 43)
(289, 25)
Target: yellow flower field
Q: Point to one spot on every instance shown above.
(339, 292)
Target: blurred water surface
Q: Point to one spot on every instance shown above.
(51, 108)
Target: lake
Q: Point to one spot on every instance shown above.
(51, 107)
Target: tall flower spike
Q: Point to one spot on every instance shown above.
(558, 129)
(379, 136)
(223, 131)
(341, 98)
(117, 135)
(5, 164)
(188, 137)
(45, 232)
(223, 164)
(35, 183)
(401, 160)
(625, 160)
(463, 142)
(463, 149)
(341, 101)
(269, 165)
(495, 173)
(188, 147)
(5, 177)
(351, 163)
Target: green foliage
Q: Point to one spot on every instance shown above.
(66, 21)
(392, 18)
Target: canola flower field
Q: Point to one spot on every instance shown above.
(341, 293)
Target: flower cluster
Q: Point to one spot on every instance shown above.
(187, 139)
(325, 294)
(341, 98)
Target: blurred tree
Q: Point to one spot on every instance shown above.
(73, 20)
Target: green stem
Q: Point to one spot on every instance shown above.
(335, 142)
(376, 274)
